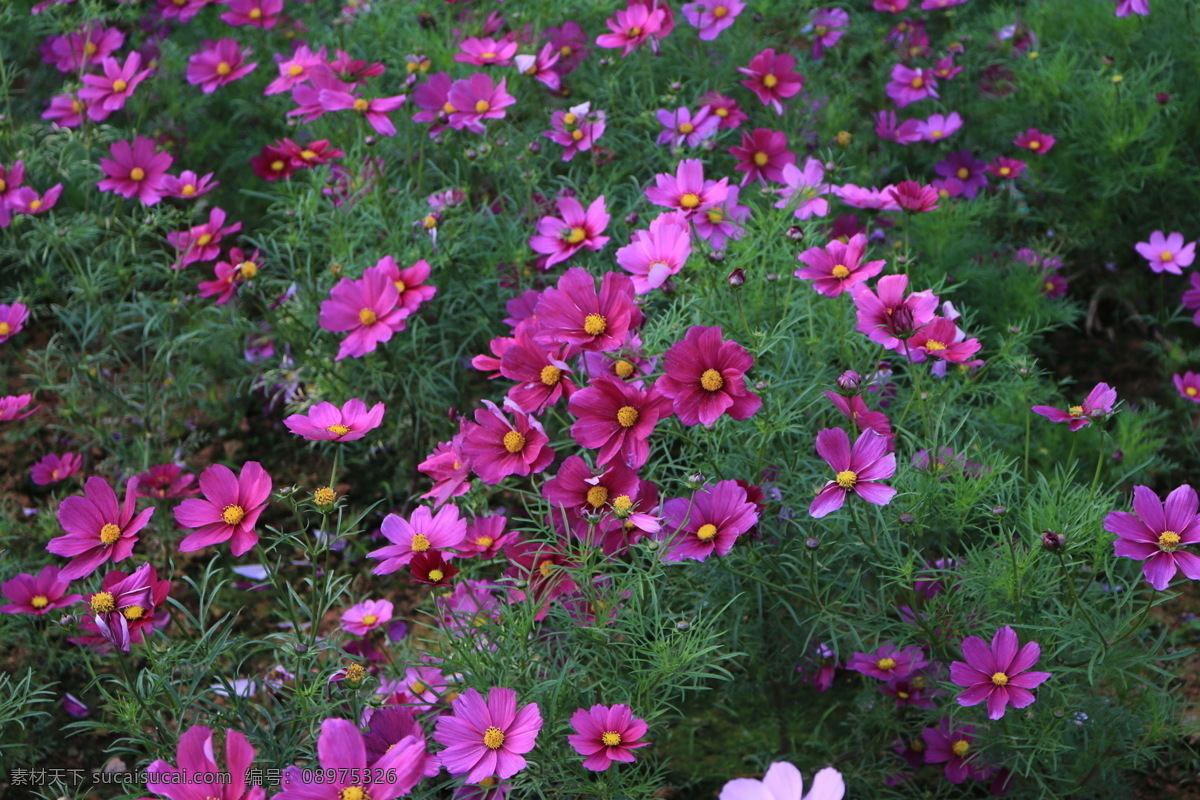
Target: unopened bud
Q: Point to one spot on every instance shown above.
(907, 519)
(1053, 541)
(795, 233)
(737, 278)
(999, 511)
(849, 383)
(683, 625)
(812, 543)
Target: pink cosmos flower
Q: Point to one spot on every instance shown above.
(890, 6)
(295, 69)
(887, 315)
(686, 190)
(1156, 531)
(325, 422)
(829, 24)
(188, 185)
(953, 746)
(487, 738)
(476, 99)
(583, 495)
(218, 63)
(930, 5)
(912, 196)
(710, 522)
(486, 537)
(763, 155)
(307, 96)
(135, 170)
(98, 529)
(838, 266)
(198, 774)
(230, 274)
(998, 674)
(166, 480)
(368, 308)
(770, 77)
(904, 133)
(345, 772)
(908, 86)
(433, 97)
(125, 608)
(107, 93)
(1167, 253)
(450, 471)
(576, 129)
(654, 255)
(79, 51)
(563, 236)
(572, 312)
(40, 594)
(1035, 140)
(804, 187)
(941, 339)
(541, 67)
(229, 510)
(720, 223)
(540, 371)
(182, 10)
(1188, 386)
(706, 377)
(66, 110)
(605, 734)
(855, 409)
(409, 282)
(964, 167)
(1191, 298)
(11, 405)
(365, 617)
(571, 43)
(1006, 168)
(681, 127)
(631, 27)
(940, 126)
(617, 418)
(422, 532)
(713, 16)
(724, 109)
(1127, 7)
(784, 782)
(12, 319)
(376, 109)
(255, 13)
(497, 448)
(1098, 404)
(27, 201)
(202, 242)
(858, 470)
(486, 51)
(889, 662)
(53, 468)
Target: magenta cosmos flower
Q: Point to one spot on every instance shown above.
(107, 93)
(574, 313)
(497, 448)
(706, 377)
(681, 127)
(423, 532)
(375, 110)
(98, 529)
(907, 86)
(198, 775)
(955, 748)
(1188, 386)
(40, 594)
(1127, 7)
(11, 405)
(1155, 532)
(829, 25)
(889, 662)
(838, 266)
(998, 674)
(631, 27)
(710, 18)
(326, 422)
(1098, 403)
(686, 190)
(1035, 140)
(368, 308)
(486, 51)
(53, 468)
(218, 63)
(859, 469)
(541, 374)
(255, 13)
(410, 282)
(710, 522)
(652, 256)
(605, 734)
(771, 78)
(559, 238)
(202, 242)
(762, 155)
(366, 616)
(804, 188)
(888, 313)
(12, 320)
(487, 739)
(345, 773)
(135, 170)
(1167, 253)
(576, 129)
(618, 418)
(784, 782)
(475, 99)
(229, 510)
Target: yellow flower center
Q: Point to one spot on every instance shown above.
(886, 664)
(594, 324)
(418, 687)
(635, 31)
(1035, 145)
(627, 416)
(622, 504)
(324, 496)
(429, 221)
(711, 380)
(295, 69)
(936, 134)
(551, 375)
(76, 106)
(610, 738)
(689, 200)
(233, 514)
(436, 575)
(247, 270)
(103, 603)
(931, 344)
(576, 236)
(1166, 255)
(686, 127)
(137, 174)
(485, 542)
(448, 108)
(960, 747)
(119, 85)
(420, 542)
(90, 48)
(490, 782)
(1005, 171)
(277, 165)
(493, 738)
(5, 329)
(722, 112)
(367, 316)
(565, 50)
(370, 619)
(255, 13)
(597, 496)
(963, 173)
(355, 673)
(546, 568)
(1000, 679)
(918, 82)
(846, 479)
(133, 613)
(706, 532)
(714, 216)
(623, 368)
(720, 12)
(39, 601)
(570, 119)
(338, 429)
(1168, 540)
(840, 271)
(487, 55)
(770, 81)
(188, 189)
(354, 793)
(203, 239)
(481, 106)
(1075, 411)
(761, 159)
(1191, 391)
(223, 68)
(361, 105)
(109, 533)
(514, 442)
(576, 135)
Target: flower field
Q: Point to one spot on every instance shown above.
(737, 399)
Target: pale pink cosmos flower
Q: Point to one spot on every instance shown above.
(998, 674)
(604, 734)
(559, 238)
(784, 782)
(866, 197)
(135, 170)
(722, 222)
(1156, 532)
(652, 256)
(838, 266)
(365, 617)
(307, 96)
(97, 528)
(423, 532)
(1098, 404)
(229, 511)
(487, 738)
(540, 67)
(903, 133)
(486, 51)
(476, 99)
(108, 92)
(218, 63)
(859, 470)
(345, 773)
(1167, 253)
(681, 127)
(577, 129)
(687, 190)
(368, 308)
(940, 126)
(711, 17)
(12, 319)
(325, 422)
(631, 27)
(804, 187)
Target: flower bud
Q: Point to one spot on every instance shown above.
(683, 625)
(1053, 541)
(1163, 98)
(999, 511)
(812, 543)
(907, 519)
(716, 256)
(535, 147)
(632, 219)
(795, 233)
(849, 383)
(695, 480)
(737, 278)
(369, 141)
